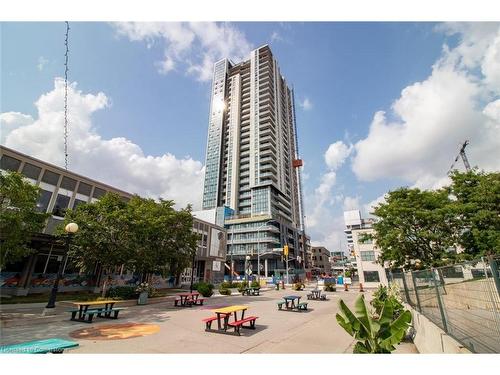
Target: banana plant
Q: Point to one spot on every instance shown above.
(374, 335)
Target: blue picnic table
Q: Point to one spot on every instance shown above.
(55, 345)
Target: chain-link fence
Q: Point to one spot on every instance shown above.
(462, 299)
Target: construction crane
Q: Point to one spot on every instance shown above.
(462, 154)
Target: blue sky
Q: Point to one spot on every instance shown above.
(343, 74)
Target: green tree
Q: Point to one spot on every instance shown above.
(104, 236)
(143, 235)
(19, 218)
(475, 196)
(415, 225)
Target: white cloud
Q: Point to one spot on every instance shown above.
(193, 47)
(117, 161)
(351, 203)
(433, 117)
(306, 104)
(42, 61)
(370, 206)
(336, 154)
(276, 37)
(10, 121)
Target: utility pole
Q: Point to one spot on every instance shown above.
(231, 254)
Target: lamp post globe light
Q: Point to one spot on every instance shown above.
(70, 229)
(247, 259)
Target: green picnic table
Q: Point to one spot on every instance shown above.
(39, 347)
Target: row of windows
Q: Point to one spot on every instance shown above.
(368, 255)
(52, 178)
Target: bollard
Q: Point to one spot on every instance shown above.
(361, 288)
(346, 288)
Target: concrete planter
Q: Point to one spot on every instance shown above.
(143, 298)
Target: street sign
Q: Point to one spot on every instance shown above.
(261, 267)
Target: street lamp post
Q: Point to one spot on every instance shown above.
(247, 259)
(70, 229)
(232, 250)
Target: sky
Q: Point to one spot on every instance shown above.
(379, 104)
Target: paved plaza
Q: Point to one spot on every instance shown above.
(170, 329)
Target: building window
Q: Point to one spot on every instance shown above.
(78, 202)
(50, 177)
(368, 255)
(43, 201)
(371, 276)
(98, 193)
(68, 183)
(320, 257)
(62, 203)
(31, 171)
(364, 239)
(9, 164)
(84, 188)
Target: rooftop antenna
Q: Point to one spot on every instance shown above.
(66, 55)
(462, 154)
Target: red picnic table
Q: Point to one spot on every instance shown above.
(188, 299)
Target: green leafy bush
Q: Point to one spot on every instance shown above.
(225, 291)
(205, 289)
(225, 285)
(375, 334)
(242, 285)
(123, 292)
(383, 294)
(330, 287)
(255, 284)
(298, 286)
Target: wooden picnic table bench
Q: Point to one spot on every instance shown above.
(55, 345)
(224, 314)
(316, 294)
(289, 302)
(251, 291)
(86, 313)
(188, 299)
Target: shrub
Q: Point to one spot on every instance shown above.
(225, 291)
(330, 287)
(255, 284)
(123, 292)
(225, 285)
(298, 286)
(242, 285)
(205, 289)
(375, 334)
(390, 295)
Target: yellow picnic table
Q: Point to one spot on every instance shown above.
(226, 312)
(83, 308)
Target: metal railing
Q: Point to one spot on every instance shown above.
(462, 299)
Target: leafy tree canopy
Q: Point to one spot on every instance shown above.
(417, 228)
(141, 234)
(19, 218)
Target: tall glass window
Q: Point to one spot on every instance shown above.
(43, 201)
(62, 203)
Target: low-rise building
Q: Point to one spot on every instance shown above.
(371, 272)
(321, 260)
(61, 190)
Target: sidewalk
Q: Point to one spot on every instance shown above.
(181, 330)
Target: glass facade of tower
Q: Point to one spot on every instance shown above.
(251, 150)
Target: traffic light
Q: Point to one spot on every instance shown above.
(285, 250)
